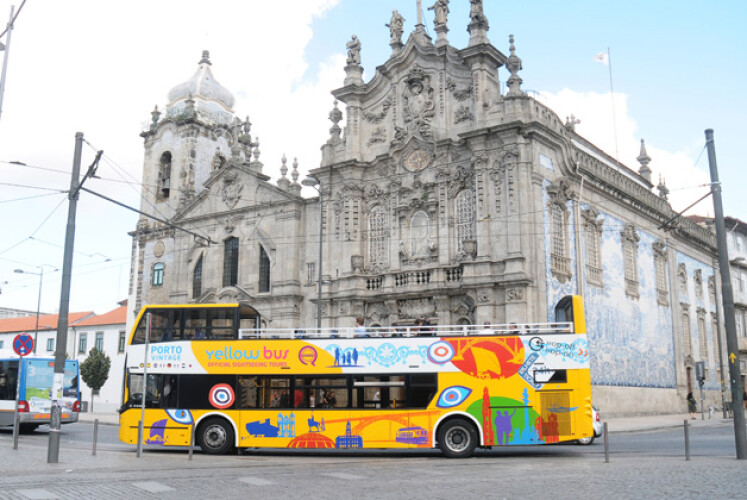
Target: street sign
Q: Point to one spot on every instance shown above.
(23, 344)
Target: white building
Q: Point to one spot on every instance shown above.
(85, 331)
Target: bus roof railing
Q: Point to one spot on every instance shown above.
(407, 331)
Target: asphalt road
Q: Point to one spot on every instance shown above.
(642, 465)
(714, 441)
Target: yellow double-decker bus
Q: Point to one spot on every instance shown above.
(212, 368)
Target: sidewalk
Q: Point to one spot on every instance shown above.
(618, 424)
(651, 422)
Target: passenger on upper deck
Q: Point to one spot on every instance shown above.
(360, 330)
(486, 329)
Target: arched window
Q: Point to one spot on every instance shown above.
(197, 279)
(157, 274)
(264, 271)
(231, 262)
(465, 217)
(164, 176)
(378, 239)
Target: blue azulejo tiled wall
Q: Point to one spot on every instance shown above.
(693, 298)
(631, 338)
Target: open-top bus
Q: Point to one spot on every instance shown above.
(34, 397)
(451, 387)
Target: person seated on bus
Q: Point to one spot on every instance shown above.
(329, 399)
(360, 330)
(275, 400)
(422, 328)
(200, 334)
(513, 329)
(298, 399)
(486, 329)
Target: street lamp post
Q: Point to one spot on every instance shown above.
(38, 300)
(311, 181)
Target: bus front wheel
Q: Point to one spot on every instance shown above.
(215, 436)
(457, 438)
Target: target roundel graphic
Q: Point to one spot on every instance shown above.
(221, 396)
(440, 352)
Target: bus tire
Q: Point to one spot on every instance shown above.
(215, 436)
(457, 438)
(27, 428)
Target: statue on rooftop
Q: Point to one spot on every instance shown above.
(476, 13)
(441, 11)
(396, 27)
(354, 51)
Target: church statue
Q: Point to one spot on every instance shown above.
(476, 13)
(354, 50)
(441, 10)
(396, 27)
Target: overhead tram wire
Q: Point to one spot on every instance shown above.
(15, 16)
(163, 221)
(37, 228)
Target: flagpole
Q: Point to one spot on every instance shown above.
(612, 97)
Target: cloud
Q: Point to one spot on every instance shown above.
(99, 68)
(595, 111)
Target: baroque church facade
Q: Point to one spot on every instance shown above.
(441, 198)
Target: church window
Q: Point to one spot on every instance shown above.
(660, 271)
(686, 341)
(419, 235)
(164, 177)
(264, 271)
(630, 241)
(560, 262)
(310, 273)
(702, 340)
(465, 218)
(197, 279)
(593, 246)
(231, 262)
(157, 274)
(378, 238)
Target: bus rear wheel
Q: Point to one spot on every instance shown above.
(457, 438)
(215, 436)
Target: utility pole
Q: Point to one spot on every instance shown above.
(53, 451)
(732, 347)
(6, 48)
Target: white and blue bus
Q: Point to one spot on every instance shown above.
(34, 391)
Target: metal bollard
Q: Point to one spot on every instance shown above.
(16, 428)
(687, 440)
(95, 435)
(139, 438)
(606, 445)
(191, 441)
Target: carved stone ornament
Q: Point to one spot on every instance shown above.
(416, 308)
(630, 234)
(560, 191)
(660, 248)
(514, 294)
(356, 262)
(416, 160)
(418, 103)
(230, 191)
(158, 249)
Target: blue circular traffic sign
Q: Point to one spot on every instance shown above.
(23, 344)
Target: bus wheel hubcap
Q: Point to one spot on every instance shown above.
(215, 436)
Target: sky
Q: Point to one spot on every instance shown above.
(100, 68)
